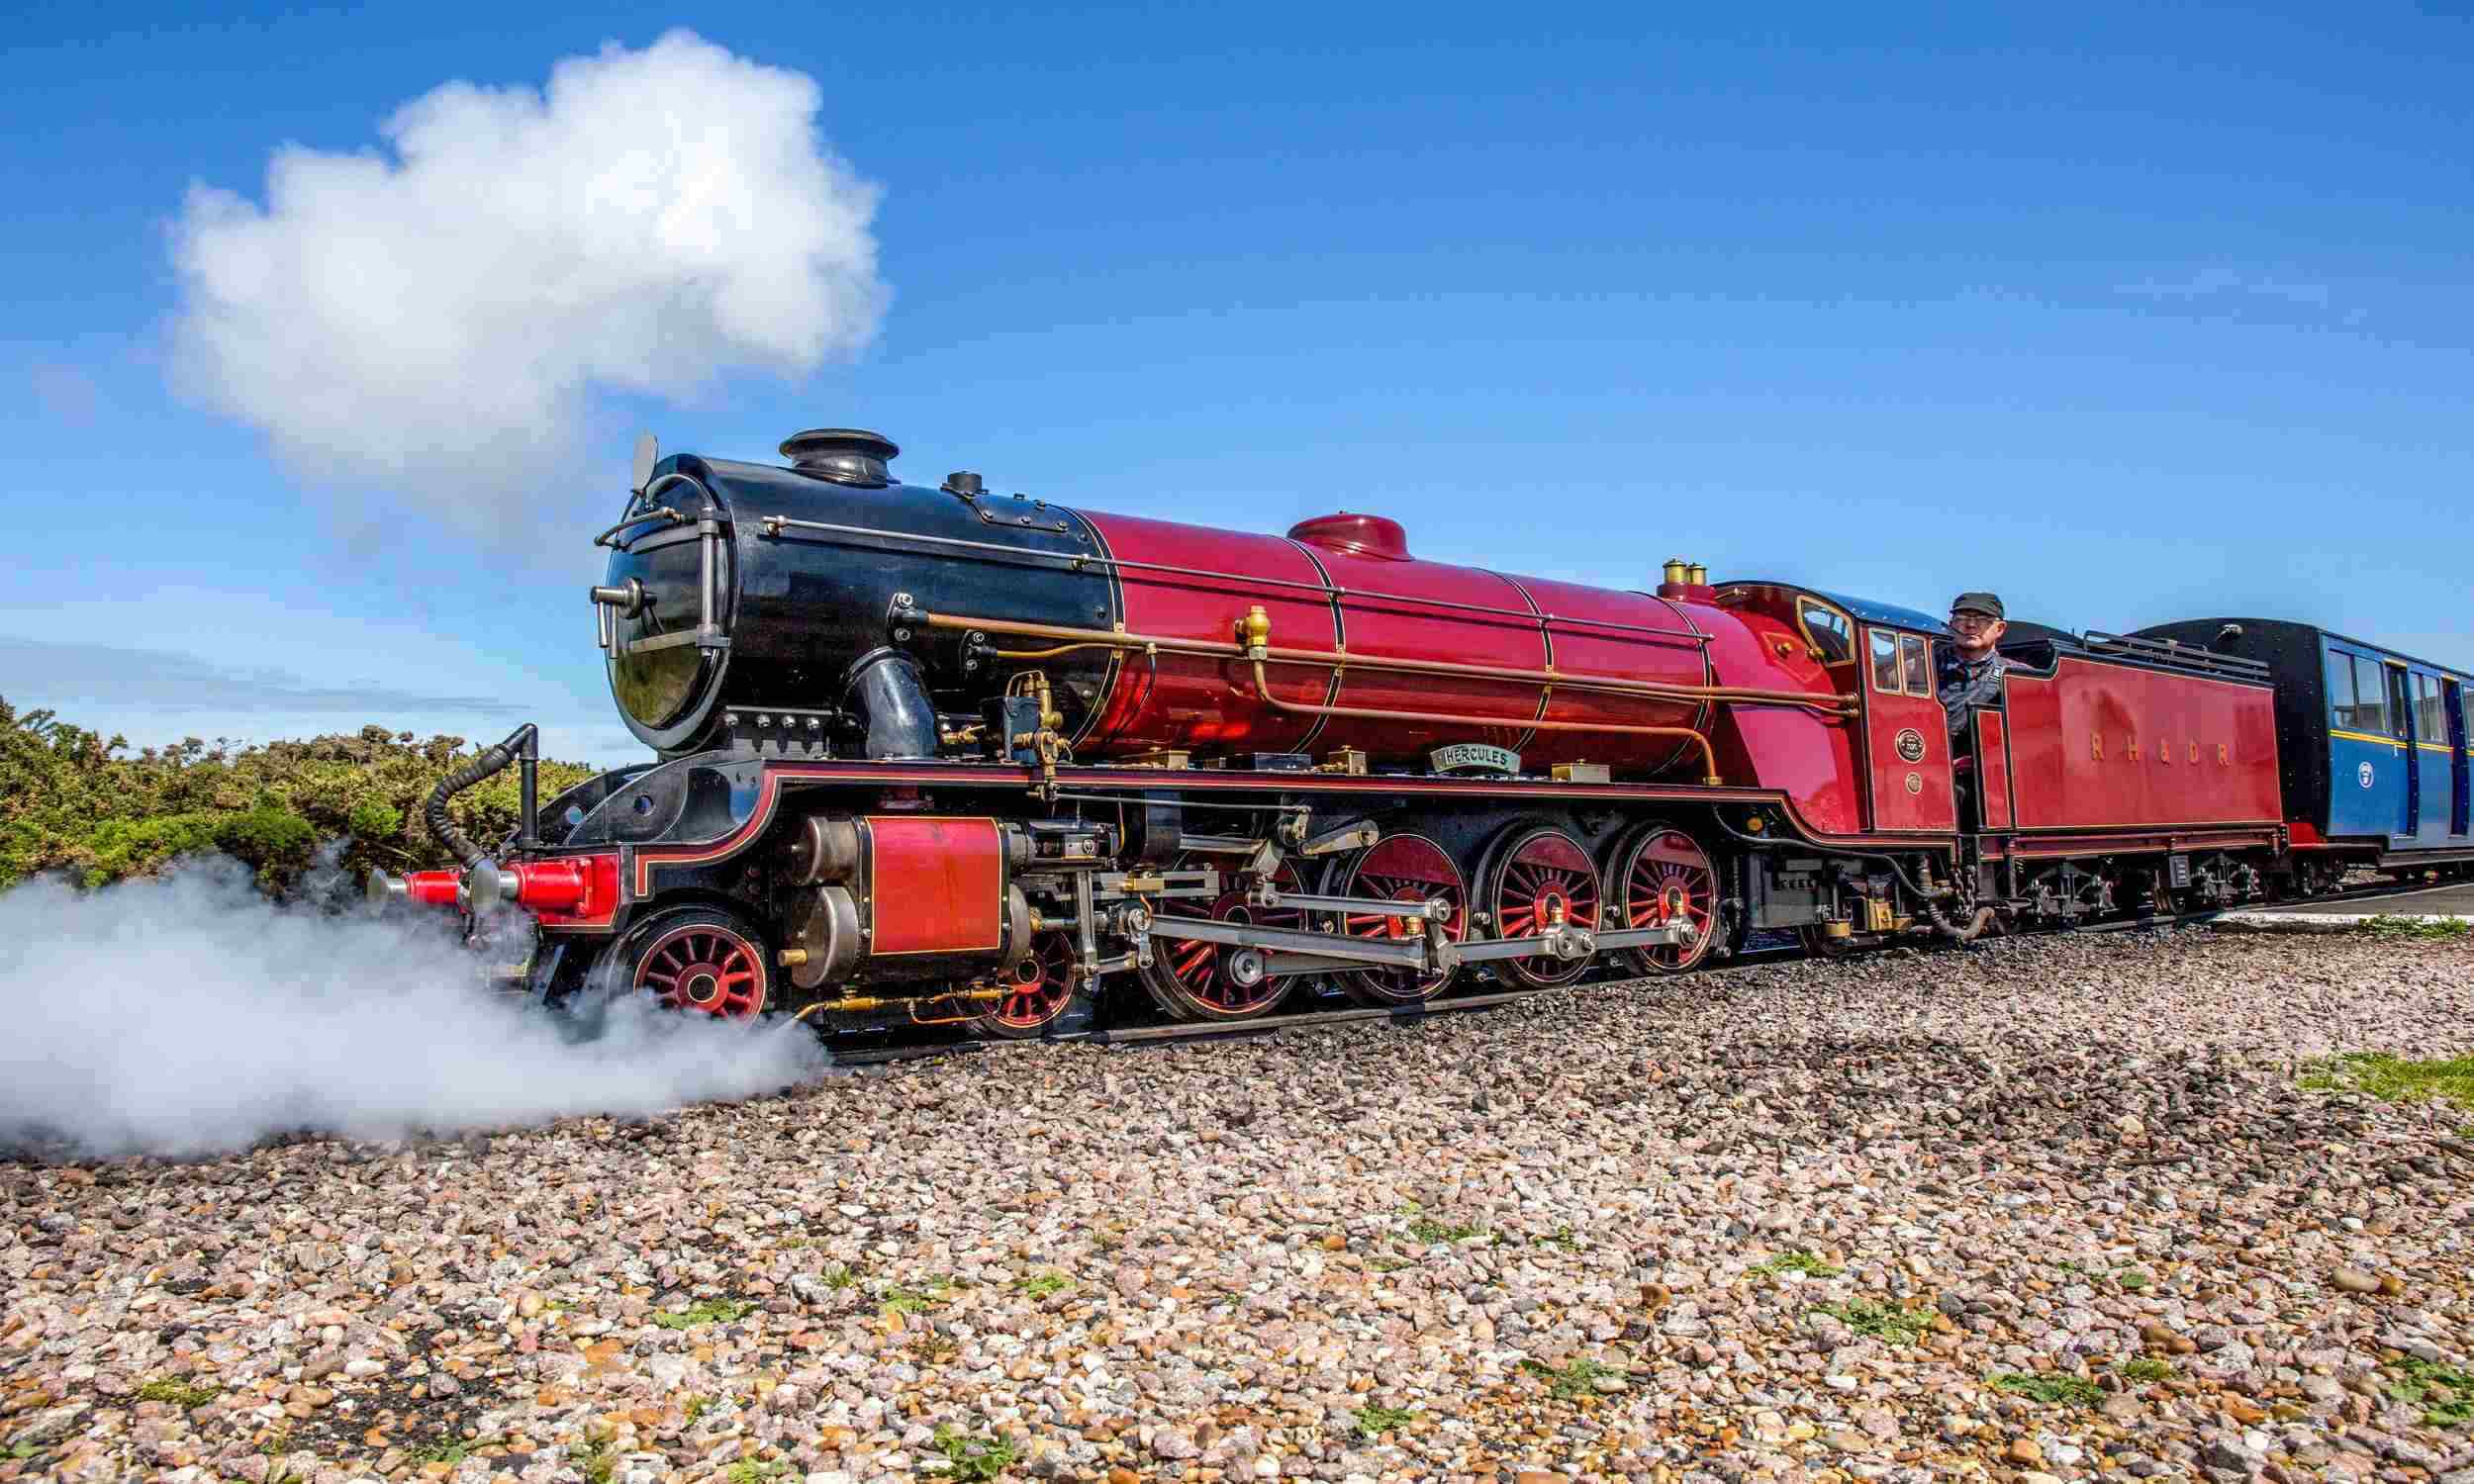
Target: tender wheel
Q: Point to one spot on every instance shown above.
(1537, 878)
(1037, 991)
(1192, 979)
(1404, 868)
(1663, 874)
(705, 960)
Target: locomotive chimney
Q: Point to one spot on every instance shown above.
(844, 456)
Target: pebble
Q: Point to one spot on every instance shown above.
(1131, 1285)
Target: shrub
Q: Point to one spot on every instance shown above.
(76, 802)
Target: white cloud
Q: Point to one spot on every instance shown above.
(435, 318)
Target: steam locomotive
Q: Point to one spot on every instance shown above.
(971, 758)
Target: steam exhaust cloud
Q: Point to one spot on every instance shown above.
(188, 1014)
(443, 316)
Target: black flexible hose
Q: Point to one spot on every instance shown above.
(494, 759)
(1762, 842)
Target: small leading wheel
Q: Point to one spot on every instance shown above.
(1403, 869)
(1661, 876)
(1037, 991)
(1541, 876)
(705, 960)
(1192, 979)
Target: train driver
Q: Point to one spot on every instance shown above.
(1971, 668)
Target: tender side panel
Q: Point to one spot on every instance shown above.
(2104, 746)
(936, 886)
(1194, 701)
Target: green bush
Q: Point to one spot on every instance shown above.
(76, 802)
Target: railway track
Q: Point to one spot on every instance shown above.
(871, 1048)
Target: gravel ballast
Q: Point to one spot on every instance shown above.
(2048, 1209)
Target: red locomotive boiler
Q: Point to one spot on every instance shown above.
(978, 757)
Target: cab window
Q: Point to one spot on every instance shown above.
(1826, 628)
(1885, 662)
(1914, 659)
(2341, 698)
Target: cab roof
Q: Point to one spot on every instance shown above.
(1865, 610)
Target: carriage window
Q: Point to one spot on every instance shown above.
(2397, 704)
(2370, 708)
(1827, 628)
(2341, 701)
(1885, 662)
(1912, 659)
(2430, 718)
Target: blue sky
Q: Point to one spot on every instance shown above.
(2131, 314)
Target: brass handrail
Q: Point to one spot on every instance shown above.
(1709, 758)
(1834, 704)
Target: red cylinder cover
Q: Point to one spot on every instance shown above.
(1346, 585)
(432, 889)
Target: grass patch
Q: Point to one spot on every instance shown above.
(1572, 1381)
(2145, 1368)
(1043, 1285)
(2386, 925)
(1373, 1422)
(1881, 1320)
(1390, 1265)
(20, 1450)
(441, 1453)
(2077, 1391)
(593, 1460)
(754, 1471)
(2132, 1279)
(1561, 1236)
(695, 1407)
(2444, 1393)
(972, 1459)
(1428, 1230)
(920, 1300)
(709, 1312)
(1798, 1260)
(179, 1393)
(840, 1276)
(2396, 1079)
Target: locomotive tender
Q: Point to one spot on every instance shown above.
(974, 756)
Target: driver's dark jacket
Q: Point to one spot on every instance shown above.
(1967, 684)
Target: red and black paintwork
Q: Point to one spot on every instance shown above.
(765, 626)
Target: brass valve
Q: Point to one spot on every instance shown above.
(1257, 629)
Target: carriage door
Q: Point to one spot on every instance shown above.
(2401, 727)
(2452, 704)
(1906, 735)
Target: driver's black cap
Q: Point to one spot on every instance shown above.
(1977, 602)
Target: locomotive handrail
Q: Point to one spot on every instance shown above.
(663, 513)
(1830, 705)
(775, 525)
(1709, 757)
(2189, 657)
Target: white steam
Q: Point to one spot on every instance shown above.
(189, 1014)
(435, 317)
